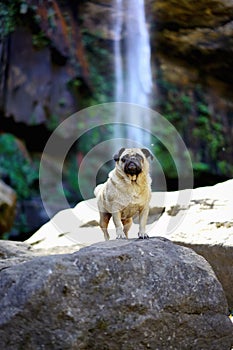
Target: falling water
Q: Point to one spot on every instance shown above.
(132, 67)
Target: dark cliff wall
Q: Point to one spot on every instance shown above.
(41, 55)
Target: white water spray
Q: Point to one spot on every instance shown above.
(132, 67)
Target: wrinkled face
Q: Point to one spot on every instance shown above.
(132, 160)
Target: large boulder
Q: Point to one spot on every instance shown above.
(114, 295)
(7, 207)
(202, 220)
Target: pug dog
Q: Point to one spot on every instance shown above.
(126, 192)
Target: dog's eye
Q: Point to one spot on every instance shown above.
(123, 159)
(140, 158)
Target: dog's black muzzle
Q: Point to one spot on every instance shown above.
(132, 167)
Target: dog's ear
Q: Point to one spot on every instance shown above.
(147, 153)
(116, 157)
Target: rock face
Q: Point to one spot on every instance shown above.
(7, 207)
(220, 259)
(114, 295)
(33, 59)
(13, 253)
(30, 87)
(200, 30)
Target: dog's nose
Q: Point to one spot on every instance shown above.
(132, 165)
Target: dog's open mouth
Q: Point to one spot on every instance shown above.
(132, 168)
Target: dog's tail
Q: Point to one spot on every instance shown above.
(98, 189)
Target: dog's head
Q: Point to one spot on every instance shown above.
(133, 161)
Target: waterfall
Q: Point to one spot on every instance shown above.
(132, 68)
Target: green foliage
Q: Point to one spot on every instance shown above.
(11, 13)
(210, 133)
(85, 144)
(224, 167)
(186, 102)
(93, 137)
(202, 131)
(39, 40)
(15, 167)
(101, 69)
(71, 177)
(8, 11)
(200, 167)
(52, 121)
(203, 108)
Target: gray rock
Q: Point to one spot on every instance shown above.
(220, 258)
(11, 249)
(13, 253)
(114, 295)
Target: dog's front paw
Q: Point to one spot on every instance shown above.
(120, 234)
(143, 236)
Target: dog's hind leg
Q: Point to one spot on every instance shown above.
(104, 220)
(127, 223)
